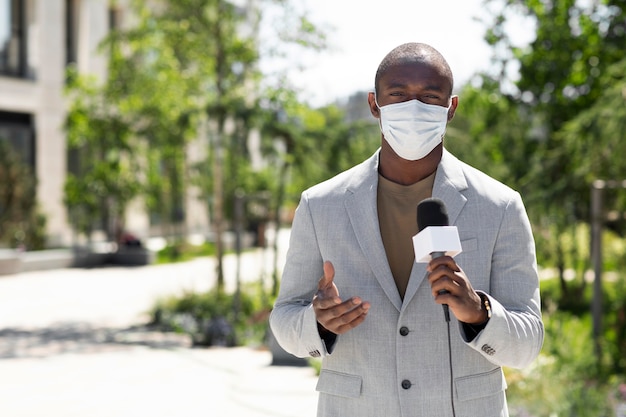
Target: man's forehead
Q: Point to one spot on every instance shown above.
(405, 72)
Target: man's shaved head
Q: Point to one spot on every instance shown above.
(414, 52)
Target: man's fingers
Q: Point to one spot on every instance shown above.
(344, 316)
(333, 314)
(329, 274)
(442, 261)
(333, 308)
(352, 324)
(323, 303)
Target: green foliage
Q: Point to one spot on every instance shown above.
(593, 139)
(564, 380)
(567, 379)
(564, 77)
(176, 67)
(243, 316)
(316, 144)
(556, 127)
(102, 178)
(614, 326)
(22, 225)
(185, 70)
(564, 246)
(614, 251)
(489, 132)
(576, 300)
(181, 251)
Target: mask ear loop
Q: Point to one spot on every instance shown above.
(380, 118)
(376, 100)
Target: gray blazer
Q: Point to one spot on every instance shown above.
(396, 362)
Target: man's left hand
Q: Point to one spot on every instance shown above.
(450, 286)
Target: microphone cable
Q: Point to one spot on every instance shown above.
(447, 317)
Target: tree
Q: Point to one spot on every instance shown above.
(304, 146)
(101, 178)
(560, 76)
(186, 68)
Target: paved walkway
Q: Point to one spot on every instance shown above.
(72, 343)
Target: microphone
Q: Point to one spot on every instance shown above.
(435, 237)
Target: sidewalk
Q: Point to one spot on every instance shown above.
(72, 344)
(142, 381)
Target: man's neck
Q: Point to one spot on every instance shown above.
(402, 171)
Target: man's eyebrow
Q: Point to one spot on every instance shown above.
(396, 84)
(434, 87)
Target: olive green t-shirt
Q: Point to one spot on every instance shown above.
(397, 216)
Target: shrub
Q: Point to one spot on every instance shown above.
(568, 379)
(21, 223)
(214, 318)
(182, 251)
(564, 380)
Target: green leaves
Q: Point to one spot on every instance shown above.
(185, 71)
(21, 224)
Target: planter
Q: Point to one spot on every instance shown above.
(132, 256)
(10, 262)
(280, 357)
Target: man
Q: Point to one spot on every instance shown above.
(386, 348)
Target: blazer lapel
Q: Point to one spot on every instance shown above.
(449, 184)
(362, 210)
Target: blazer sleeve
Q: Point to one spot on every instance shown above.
(514, 335)
(292, 319)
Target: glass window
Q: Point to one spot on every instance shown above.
(71, 31)
(17, 129)
(12, 38)
(115, 18)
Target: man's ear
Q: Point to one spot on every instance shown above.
(371, 100)
(454, 102)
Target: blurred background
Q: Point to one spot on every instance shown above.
(137, 132)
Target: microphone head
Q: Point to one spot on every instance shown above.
(431, 212)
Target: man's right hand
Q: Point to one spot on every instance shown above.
(332, 314)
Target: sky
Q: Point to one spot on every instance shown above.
(361, 32)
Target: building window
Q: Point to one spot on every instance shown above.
(71, 32)
(17, 129)
(115, 18)
(12, 38)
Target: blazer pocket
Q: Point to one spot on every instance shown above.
(469, 245)
(337, 383)
(480, 385)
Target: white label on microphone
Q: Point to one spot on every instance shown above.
(436, 239)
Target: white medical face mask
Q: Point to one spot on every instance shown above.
(412, 128)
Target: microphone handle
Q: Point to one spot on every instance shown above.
(446, 309)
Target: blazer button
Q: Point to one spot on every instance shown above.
(488, 350)
(404, 331)
(406, 384)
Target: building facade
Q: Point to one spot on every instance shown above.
(38, 40)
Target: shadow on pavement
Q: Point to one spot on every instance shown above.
(77, 337)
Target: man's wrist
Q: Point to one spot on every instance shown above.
(327, 337)
(485, 310)
(485, 306)
(322, 330)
